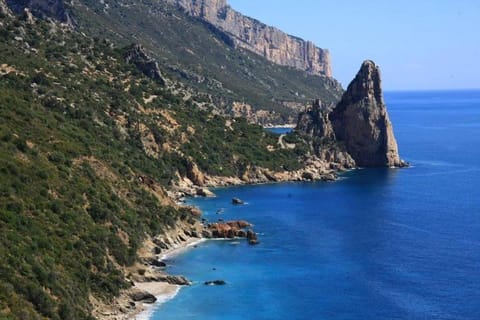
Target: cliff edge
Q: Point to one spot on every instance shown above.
(272, 43)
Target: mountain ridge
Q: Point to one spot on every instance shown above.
(251, 34)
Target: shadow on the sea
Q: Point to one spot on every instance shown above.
(372, 176)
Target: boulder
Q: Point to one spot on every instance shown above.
(155, 262)
(252, 237)
(177, 280)
(143, 296)
(204, 192)
(237, 201)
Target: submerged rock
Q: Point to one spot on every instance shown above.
(215, 283)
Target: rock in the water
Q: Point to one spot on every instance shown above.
(361, 121)
(237, 201)
(137, 55)
(215, 283)
(252, 237)
(143, 296)
(178, 280)
(204, 192)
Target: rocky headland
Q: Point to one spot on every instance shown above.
(358, 128)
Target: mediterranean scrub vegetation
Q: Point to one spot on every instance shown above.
(78, 127)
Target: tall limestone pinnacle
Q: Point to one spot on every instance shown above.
(358, 127)
(251, 34)
(361, 121)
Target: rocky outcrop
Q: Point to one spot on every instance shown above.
(194, 173)
(255, 36)
(54, 9)
(4, 9)
(143, 296)
(228, 230)
(215, 283)
(137, 55)
(237, 201)
(357, 132)
(314, 121)
(361, 122)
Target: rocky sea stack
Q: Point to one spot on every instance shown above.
(359, 123)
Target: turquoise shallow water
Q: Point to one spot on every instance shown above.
(378, 244)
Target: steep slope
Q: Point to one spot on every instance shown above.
(359, 124)
(251, 34)
(88, 147)
(206, 58)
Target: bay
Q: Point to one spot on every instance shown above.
(377, 244)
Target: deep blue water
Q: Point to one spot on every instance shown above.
(378, 244)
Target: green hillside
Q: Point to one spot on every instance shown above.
(202, 56)
(79, 128)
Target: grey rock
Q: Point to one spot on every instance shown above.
(251, 34)
(138, 56)
(215, 283)
(143, 296)
(237, 201)
(177, 280)
(361, 121)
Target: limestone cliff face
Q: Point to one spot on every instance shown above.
(255, 36)
(315, 123)
(361, 121)
(358, 124)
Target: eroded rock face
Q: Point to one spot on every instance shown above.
(314, 121)
(361, 121)
(138, 56)
(255, 36)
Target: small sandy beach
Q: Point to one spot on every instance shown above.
(163, 291)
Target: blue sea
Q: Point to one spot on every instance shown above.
(377, 244)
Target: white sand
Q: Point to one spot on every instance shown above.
(163, 291)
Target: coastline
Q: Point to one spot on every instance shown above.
(163, 291)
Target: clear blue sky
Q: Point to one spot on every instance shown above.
(421, 44)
